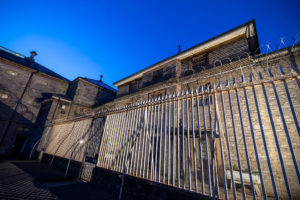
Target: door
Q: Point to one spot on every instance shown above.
(92, 150)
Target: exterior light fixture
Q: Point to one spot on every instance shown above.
(81, 141)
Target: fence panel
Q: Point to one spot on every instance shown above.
(226, 141)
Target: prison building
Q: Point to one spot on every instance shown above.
(30, 94)
(219, 120)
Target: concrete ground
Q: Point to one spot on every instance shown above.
(23, 179)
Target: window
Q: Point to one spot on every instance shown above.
(3, 96)
(157, 75)
(12, 73)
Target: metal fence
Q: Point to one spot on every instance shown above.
(233, 141)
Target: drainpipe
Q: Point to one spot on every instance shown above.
(16, 107)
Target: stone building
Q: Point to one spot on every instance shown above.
(29, 94)
(219, 119)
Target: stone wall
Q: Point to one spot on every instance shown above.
(32, 87)
(273, 81)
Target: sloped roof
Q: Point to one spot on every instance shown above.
(99, 83)
(22, 60)
(246, 30)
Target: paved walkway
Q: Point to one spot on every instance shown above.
(34, 180)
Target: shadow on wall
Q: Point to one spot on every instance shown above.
(13, 134)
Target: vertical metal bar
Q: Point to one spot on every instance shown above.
(216, 190)
(104, 143)
(101, 151)
(134, 140)
(193, 135)
(147, 139)
(116, 141)
(155, 130)
(122, 139)
(221, 145)
(107, 150)
(178, 143)
(182, 149)
(228, 147)
(211, 142)
(173, 123)
(276, 142)
(199, 143)
(169, 142)
(151, 132)
(160, 142)
(286, 133)
(128, 139)
(254, 143)
(245, 142)
(115, 150)
(138, 149)
(291, 106)
(165, 141)
(124, 142)
(265, 143)
(144, 139)
(131, 150)
(151, 141)
(188, 139)
(236, 146)
(206, 146)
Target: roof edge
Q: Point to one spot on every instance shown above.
(118, 83)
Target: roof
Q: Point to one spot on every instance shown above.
(248, 29)
(22, 60)
(99, 83)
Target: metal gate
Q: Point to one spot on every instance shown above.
(92, 149)
(234, 140)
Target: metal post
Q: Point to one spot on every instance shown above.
(199, 143)
(182, 150)
(286, 133)
(188, 139)
(178, 143)
(206, 145)
(265, 143)
(254, 143)
(217, 115)
(276, 142)
(193, 135)
(228, 146)
(236, 146)
(245, 142)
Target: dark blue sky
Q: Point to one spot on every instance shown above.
(117, 38)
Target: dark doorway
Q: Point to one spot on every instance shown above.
(17, 146)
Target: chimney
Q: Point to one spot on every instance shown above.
(32, 55)
(101, 76)
(178, 48)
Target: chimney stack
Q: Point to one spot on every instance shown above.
(101, 76)
(178, 48)
(32, 55)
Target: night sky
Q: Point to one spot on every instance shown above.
(117, 38)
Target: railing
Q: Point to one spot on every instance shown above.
(228, 141)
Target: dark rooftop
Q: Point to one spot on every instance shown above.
(99, 83)
(22, 60)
